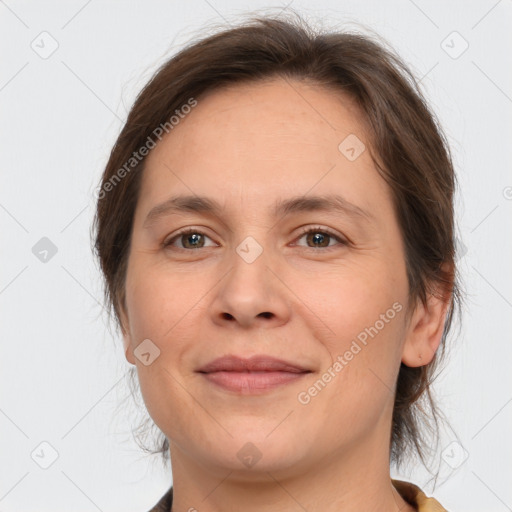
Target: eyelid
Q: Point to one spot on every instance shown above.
(184, 231)
(342, 240)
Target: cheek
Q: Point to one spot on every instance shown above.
(361, 328)
(157, 299)
(160, 309)
(356, 387)
(351, 299)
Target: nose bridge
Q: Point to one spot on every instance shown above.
(249, 275)
(250, 291)
(250, 249)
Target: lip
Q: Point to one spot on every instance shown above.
(252, 375)
(257, 363)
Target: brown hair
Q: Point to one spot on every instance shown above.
(407, 145)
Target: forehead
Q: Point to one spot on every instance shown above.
(260, 140)
(279, 113)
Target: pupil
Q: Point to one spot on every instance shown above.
(319, 238)
(195, 238)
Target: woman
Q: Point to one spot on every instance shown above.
(275, 228)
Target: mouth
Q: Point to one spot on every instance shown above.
(251, 376)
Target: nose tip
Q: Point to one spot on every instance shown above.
(251, 292)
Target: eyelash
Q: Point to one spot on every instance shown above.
(317, 229)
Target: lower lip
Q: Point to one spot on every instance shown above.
(248, 383)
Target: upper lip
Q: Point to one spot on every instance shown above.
(260, 363)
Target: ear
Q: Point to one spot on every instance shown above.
(127, 339)
(425, 329)
(128, 350)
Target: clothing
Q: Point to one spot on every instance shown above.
(411, 493)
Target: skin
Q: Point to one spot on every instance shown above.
(246, 147)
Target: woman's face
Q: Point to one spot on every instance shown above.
(248, 280)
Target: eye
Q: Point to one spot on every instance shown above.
(190, 238)
(321, 238)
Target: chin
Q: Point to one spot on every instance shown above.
(253, 455)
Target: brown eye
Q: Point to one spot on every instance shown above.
(189, 239)
(319, 238)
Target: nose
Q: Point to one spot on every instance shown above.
(251, 294)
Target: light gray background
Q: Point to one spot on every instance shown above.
(61, 369)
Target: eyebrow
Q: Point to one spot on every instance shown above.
(281, 208)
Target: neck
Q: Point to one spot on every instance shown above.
(353, 481)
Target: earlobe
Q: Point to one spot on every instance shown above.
(425, 331)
